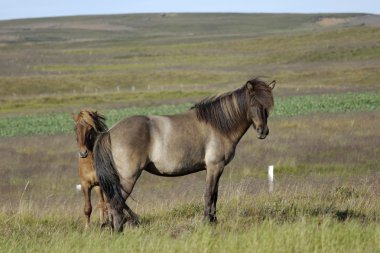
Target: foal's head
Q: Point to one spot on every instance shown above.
(260, 99)
(88, 124)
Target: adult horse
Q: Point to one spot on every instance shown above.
(203, 138)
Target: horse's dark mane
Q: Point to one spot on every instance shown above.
(223, 112)
(226, 111)
(262, 92)
(94, 119)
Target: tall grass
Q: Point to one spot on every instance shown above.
(342, 219)
(306, 236)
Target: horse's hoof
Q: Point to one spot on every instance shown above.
(211, 219)
(133, 223)
(105, 225)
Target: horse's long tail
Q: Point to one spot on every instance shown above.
(108, 176)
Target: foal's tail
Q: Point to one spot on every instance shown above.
(109, 178)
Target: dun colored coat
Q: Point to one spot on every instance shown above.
(203, 138)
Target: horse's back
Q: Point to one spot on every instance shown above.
(131, 131)
(130, 141)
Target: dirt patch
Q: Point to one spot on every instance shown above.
(95, 26)
(332, 21)
(8, 38)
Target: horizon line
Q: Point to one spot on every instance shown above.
(182, 12)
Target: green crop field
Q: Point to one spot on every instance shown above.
(324, 137)
(55, 123)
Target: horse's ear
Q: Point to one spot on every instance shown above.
(250, 88)
(272, 84)
(93, 114)
(73, 116)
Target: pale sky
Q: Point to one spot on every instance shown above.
(14, 9)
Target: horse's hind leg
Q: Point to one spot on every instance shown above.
(118, 217)
(116, 209)
(128, 185)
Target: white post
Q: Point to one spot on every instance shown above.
(270, 177)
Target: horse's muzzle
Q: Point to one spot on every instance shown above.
(262, 133)
(83, 154)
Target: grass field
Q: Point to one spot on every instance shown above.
(324, 132)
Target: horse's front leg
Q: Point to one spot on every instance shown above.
(214, 200)
(214, 171)
(86, 189)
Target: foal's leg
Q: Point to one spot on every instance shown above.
(107, 216)
(101, 204)
(214, 171)
(87, 203)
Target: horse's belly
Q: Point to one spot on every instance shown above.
(173, 151)
(174, 169)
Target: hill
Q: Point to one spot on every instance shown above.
(75, 60)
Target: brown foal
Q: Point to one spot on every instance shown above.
(88, 124)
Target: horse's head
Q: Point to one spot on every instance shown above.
(87, 126)
(260, 99)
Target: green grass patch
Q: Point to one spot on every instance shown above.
(54, 123)
(62, 123)
(348, 102)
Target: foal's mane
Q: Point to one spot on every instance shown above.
(93, 119)
(226, 111)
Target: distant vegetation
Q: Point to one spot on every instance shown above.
(55, 123)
